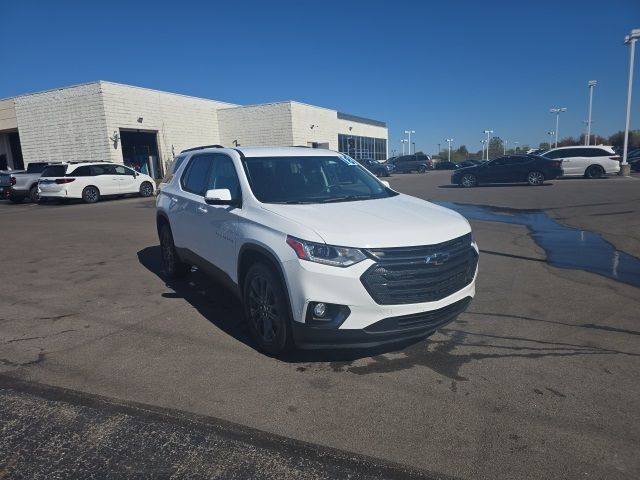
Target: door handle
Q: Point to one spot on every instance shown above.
(202, 209)
(173, 200)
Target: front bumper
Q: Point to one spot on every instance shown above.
(368, 323)
(386, 331)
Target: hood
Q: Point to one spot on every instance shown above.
(400, 221)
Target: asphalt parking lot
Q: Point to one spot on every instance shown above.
(538, 379)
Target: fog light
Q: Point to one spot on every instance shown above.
(319, 310)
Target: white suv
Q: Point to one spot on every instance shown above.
(589, 161)
(91, 180)
(321, 252)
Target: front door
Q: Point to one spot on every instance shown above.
(127, 180)
(220, 222)
(106, 179)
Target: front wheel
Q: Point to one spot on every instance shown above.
(146, 189)
(266, 308)
(594, 171)
(468, 180)
(90, 194)
(33, 194)
(535, 178)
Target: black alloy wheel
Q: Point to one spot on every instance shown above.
(266, 309)
(594, 171)
(146, 189)
(90, 194)
(171, 266)
(535, 178)
(468, 180)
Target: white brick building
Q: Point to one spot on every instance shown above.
(132, 125)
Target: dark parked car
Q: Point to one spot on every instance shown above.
(5, 185)
(531, 169)
(468, 163)
(445, 165)
(411, 163)
(633, 158)
(379, 169)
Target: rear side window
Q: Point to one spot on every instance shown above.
(599, 152)
(517, 160)
(555, 154)
(195, 177)
(84, 171)
(99, 170)
(55, 171)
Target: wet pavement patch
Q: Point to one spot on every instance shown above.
(565, 247)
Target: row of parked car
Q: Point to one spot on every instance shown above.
(86, 181)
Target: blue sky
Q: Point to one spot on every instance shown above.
(444, 69)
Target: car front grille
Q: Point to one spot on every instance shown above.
(420, 274)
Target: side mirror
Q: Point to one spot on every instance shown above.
(219, 196)
(385, 183)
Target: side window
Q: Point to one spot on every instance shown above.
(223, 175)
(82, 172)
(120, 170)
(517, 160)
(555, 154)
(99, 170)
(499, 162)
(195, 177)
(599, 152)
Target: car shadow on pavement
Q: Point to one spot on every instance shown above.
(212, 300)
(222, 308)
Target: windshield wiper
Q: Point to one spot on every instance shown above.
(347, 198)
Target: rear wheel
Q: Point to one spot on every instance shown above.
(146, 189)
(266, 308)
(16, 199)
(535, 178)
(594, 171)
(90, 194)
(171, 265)
(422, 169)
(33, 194)
(468, 180)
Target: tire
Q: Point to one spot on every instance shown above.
(34, 196)
(146, 189)
(535, 178)
(16, 199)
(90, 194)
(171, 267)
(266, 309)
(468, 180)
(594, 171)
(422, 169)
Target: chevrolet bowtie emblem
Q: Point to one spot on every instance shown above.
(437, 258)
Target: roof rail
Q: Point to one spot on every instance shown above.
(73, 162)
(201, 147)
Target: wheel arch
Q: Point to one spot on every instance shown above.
(251, 253)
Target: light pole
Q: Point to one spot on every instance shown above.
(483, 142)
(505, 146)
(438, 150)
(449, 140)
(414, 147)
(551, 134)
(631, 40)
(591, 85)
(488, 132)
(409, 132)
(515, 147)
(557, 111)
(403, 141)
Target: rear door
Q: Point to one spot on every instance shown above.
(516, 168)
(105, 178)
(496, 171)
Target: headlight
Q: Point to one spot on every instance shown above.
(325, 254)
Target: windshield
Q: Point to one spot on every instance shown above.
(311, 180)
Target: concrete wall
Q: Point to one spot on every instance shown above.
(181, 121)
(324, 123)
(257, 125)
(8, 119)
(67, 124)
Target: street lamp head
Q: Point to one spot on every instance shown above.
(557, 110)
(634, 35)
(488, 131)
(592, 83)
